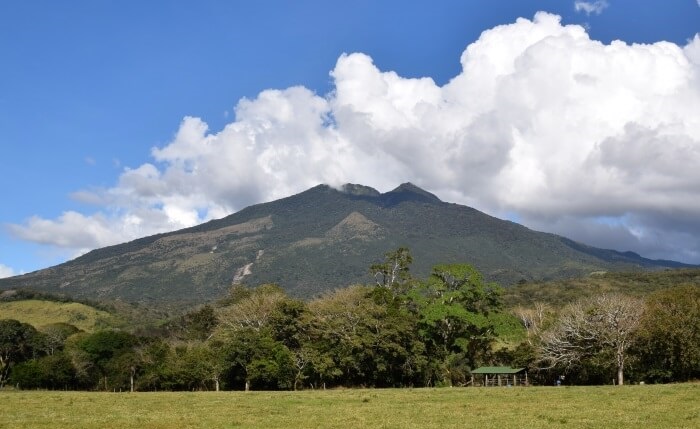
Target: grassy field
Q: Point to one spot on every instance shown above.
(667, 406)
(40, 313)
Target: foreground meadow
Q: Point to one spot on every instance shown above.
(659, 406)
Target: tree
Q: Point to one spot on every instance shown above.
(103, 349)
(258, 361)
(454, 304)
(18, 342)
(198, 324)
(534, 319)
(249, 327)
(122, 368)
(290, 324)
(198, 366)
(27, 375)
(595, 329)
(358, 340)
(155, 356)
(393, 273)
(54, 371)
(252, 311)
(56, 335)
(668, 342)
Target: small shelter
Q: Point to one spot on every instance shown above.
(501, 376)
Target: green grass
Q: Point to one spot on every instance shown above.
(658, 406)
(39, 313)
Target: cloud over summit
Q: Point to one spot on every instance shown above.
(571, 135)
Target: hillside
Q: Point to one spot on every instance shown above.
(321, 239)
(40, 313)
(564, 291)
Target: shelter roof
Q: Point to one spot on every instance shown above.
(497, 370)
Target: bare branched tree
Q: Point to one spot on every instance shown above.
(251, 312)
(534, 319)
(604, 323)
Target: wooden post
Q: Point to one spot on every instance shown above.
(486, 380)
(515, 381)
(499, 379)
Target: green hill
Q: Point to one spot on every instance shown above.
(321, 239)
(40, 313)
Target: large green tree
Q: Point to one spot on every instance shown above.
(454, 306)
(668, 340)
(258, 361)
(104, 350)
(156, 358)
(18, 342)
(54, 371)
(360, 339)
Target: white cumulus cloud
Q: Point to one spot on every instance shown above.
(596, 142)
(6, 271)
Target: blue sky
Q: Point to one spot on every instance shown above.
(112, 114)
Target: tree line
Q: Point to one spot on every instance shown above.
(400, 331)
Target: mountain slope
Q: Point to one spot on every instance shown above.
(321, 239)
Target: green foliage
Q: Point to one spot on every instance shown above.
(393, 273)
(668, 343)
(47, 372)
(157, 366)
(27, 375)
(104, 345)
(664, 346)
(55, 336)
(196, 325)
(453, 307)
(289, 323)
(14, 295)
(401, 331)
(559, 293)
(506, 327)
(18, 342)
(236, 294)
(110, 352)
(258, 361)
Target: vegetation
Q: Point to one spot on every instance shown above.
(402, 331)
(41, 313)
(668, 340)
(600, 328)
(653, 407)
(558, 293)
